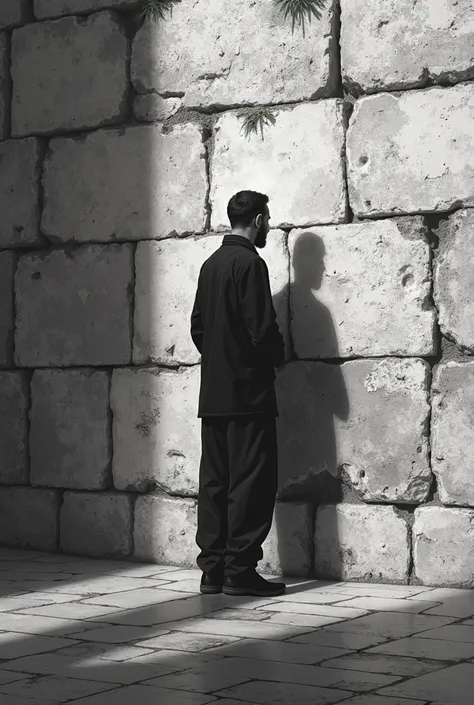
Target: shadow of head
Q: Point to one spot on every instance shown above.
(308, 260)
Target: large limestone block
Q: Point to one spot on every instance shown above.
(19, 183)
(288, 547)
(14, 13)
(4, 86)
(156, 434)
(29, 517)
(165, 531)
(56, 8)
(166, 279)
(298, 164)
(412, 152)
(402, 44)
(361, 290)
(454, 284)
(96, 524)
(69, 427)
(7, 268)
(364, 421)
(68, 74)
(130, 184)
(203, 51)
(14, 400)
(73, 307)
(444, 546)
(452, 430)
(360, 542)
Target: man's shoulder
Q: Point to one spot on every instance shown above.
(230, 256)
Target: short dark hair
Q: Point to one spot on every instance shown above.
(244, 206)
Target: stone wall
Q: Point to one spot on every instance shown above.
(120, 147)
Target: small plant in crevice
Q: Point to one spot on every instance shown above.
(255, 119)
(155, 10)
(300, 11)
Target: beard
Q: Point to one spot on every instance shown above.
(261, 238)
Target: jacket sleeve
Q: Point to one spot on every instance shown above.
(259, 313)
(196, 324)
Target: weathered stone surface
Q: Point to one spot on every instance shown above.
(156, 434)
(298, 165)
(56, 8)
(4, 87)
(165, 531)
(29, 517)
(289, 546)
(14, 13)
(402, 44)
(68, 74)
(444, 546)
(452, 430)
(222, 67)
(69, 442)
(94, 524)
(151, 107)
(73, 308)
(129, 184)
(13, 429)
(166, 280)
(361, 290)
(19, 196)
(7, 268)
(392, 164)
(454, 285)
(363, 421)
(360, 542)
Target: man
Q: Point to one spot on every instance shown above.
(233, 325)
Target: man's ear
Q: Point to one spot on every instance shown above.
(259, 220)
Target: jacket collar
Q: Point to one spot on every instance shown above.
(232, 239)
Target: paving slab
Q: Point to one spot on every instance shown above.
(451, 685)
(196, 649)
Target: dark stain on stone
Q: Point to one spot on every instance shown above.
(148, 420)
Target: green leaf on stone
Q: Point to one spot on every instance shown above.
(155, 10)
(255, 119)
(300, 10)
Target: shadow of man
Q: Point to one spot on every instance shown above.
(311, 393)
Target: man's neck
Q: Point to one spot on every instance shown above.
(243, 233)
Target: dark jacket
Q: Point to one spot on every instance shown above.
(233, 325)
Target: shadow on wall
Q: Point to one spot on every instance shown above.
(311, 394)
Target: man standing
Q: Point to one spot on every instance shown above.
(233, 325)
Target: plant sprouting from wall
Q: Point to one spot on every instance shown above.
(300, 10)
(255, 119)
(155, 10)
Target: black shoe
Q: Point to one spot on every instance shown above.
(252, 584)
(211, 583)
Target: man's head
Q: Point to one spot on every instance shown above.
(249, 216)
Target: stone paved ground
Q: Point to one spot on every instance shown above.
(115, 633)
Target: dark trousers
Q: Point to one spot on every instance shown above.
(238, 481)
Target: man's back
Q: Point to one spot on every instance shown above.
(233, 325)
